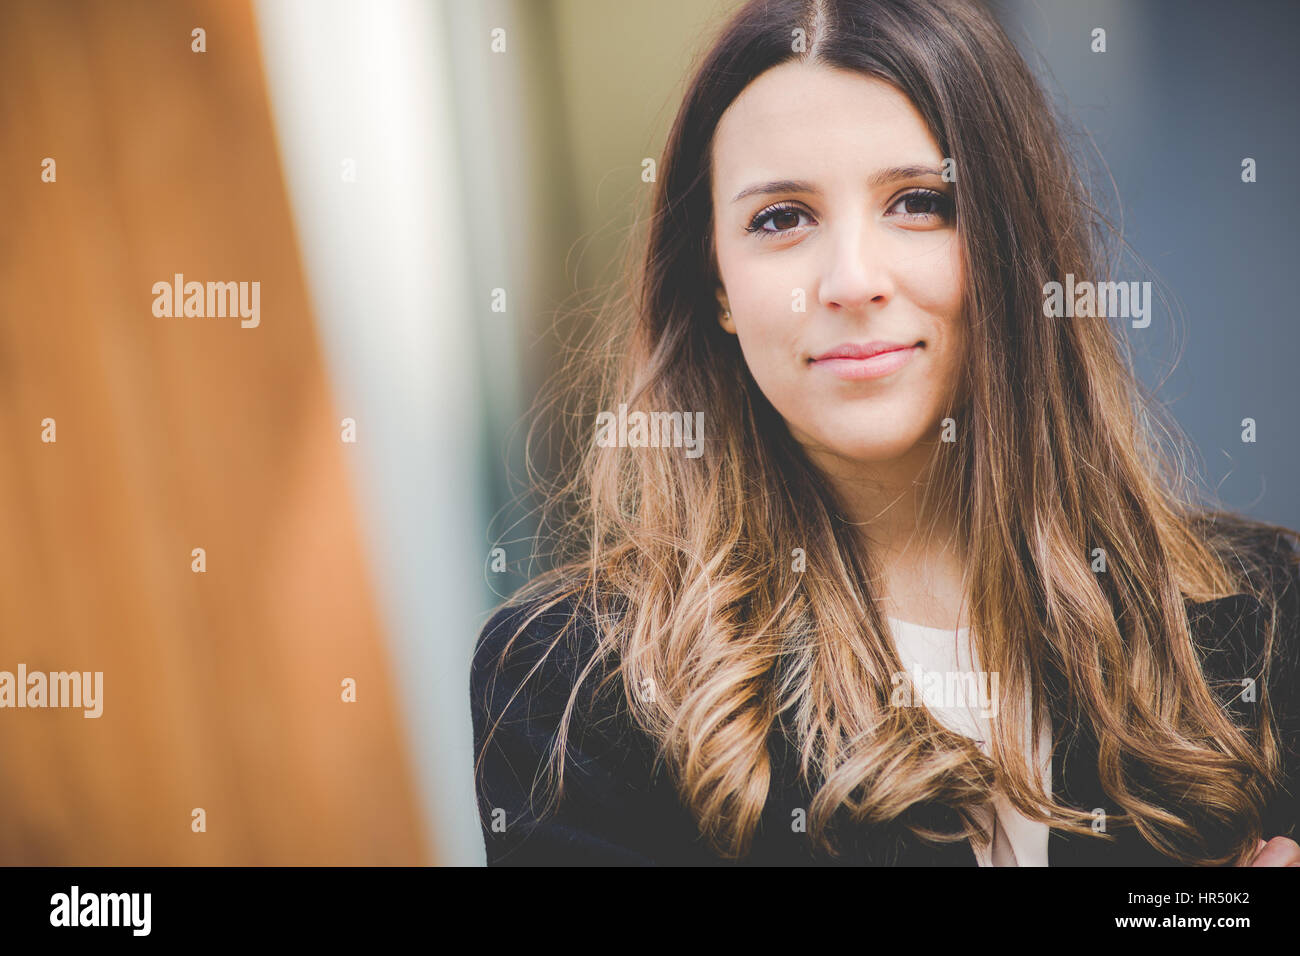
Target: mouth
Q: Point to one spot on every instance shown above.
(870, 360)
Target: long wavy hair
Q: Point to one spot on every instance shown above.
(683, 565)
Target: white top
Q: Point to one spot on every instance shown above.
(946, 679)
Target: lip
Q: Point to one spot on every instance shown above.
(867, 360)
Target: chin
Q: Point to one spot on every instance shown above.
(878, 449)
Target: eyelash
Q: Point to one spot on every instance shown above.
(755, 226)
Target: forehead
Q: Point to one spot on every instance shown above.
(803, 118)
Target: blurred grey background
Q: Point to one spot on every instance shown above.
(1184, 92)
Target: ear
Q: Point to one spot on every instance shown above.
(724, 312)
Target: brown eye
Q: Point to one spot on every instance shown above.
(924, 204)
(784, 219)
(776, 220)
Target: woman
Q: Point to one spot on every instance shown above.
(902, 461)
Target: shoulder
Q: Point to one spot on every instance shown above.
(542, 643)
(537, 660)
(1267, 555)
(551, 719)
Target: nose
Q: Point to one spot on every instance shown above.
(856, 269)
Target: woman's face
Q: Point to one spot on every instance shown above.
(834, 236)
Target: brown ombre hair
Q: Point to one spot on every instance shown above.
(683, 564)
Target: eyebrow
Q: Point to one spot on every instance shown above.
(879, 178)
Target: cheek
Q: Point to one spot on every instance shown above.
(934, 285)
(767, 326)
(769, 343)
(934, 279)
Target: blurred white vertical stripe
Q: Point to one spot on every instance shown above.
(387, 267)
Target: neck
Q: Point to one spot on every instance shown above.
(910, 538)
(886, 501)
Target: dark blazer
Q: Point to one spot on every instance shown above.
(620, 808)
